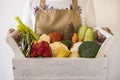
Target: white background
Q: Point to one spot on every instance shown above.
(107, 14)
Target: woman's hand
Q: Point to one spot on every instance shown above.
(17, 37)
(11, 30)
(101, 38)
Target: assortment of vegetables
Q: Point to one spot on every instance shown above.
(70, 44)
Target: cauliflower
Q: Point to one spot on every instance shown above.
(62, 52)
(74, 55)
(44, 37)
(74, 50)
(75, 47)
(56, 45)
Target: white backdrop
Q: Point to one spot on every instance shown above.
(107, 14)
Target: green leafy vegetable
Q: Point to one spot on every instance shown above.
(68, 43)
(88, 49)
(27, 37)
(25, 29)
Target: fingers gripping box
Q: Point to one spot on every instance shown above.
(60, 68)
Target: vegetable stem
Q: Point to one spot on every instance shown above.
(22, 27)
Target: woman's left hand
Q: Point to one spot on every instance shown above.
(101, 38)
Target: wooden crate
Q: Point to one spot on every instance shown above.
(59, 68)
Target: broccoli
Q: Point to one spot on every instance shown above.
(88, 49)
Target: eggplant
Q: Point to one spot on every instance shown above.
(68, 32)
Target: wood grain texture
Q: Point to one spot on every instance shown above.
(60, 69)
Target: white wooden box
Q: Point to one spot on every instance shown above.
(58, 68)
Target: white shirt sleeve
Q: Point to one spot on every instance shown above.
(26, 15)
(90, 14)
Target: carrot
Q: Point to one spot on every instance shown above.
(74, 38)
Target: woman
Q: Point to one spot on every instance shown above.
(32, 11)
(85, 7)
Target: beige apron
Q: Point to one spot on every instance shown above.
(56, 20)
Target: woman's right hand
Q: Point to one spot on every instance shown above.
(11, 30)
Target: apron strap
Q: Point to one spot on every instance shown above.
(42, 4)
(74, 4)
